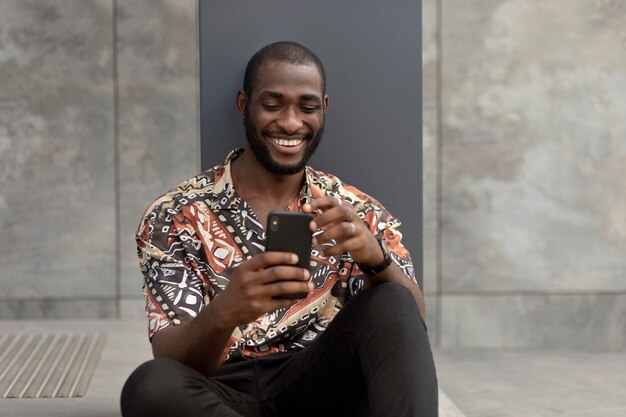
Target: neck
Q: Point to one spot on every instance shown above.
(252, 181)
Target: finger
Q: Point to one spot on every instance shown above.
(287, 288)
(321, 200)
(339, 232)
(268, 259)
(316, 193)
(353, 246)
(338, 214)
(325, 203)
(283, 273)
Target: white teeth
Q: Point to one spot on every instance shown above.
(288, 142)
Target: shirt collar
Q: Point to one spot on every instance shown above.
(230, 201)
(225, 197)
(306, 195)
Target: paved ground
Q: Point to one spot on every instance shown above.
(126, 348)
(480, 383)
(534, 384)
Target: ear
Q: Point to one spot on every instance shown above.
(325, 104)
(242, 100)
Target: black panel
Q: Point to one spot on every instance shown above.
(371, 50)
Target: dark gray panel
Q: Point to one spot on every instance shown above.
(372, 55)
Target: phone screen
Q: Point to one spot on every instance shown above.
(288, 231)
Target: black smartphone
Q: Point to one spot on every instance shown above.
(288, 231)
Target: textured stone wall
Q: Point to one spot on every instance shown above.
(529, 193)
(98, 115)
(159, 141)
(524, 161)
(57, 153)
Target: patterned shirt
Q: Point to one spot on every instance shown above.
(192, 237)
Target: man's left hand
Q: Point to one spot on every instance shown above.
(341, 223)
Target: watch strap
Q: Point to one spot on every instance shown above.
(380, 267)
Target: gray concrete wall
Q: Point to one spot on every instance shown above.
(525, 195)
(524, 161)
(98, 115)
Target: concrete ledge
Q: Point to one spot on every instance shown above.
(127, 347)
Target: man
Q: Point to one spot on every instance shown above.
(224, 344)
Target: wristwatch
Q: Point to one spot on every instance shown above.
(372, 270)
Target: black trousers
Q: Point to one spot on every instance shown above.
(374, 359)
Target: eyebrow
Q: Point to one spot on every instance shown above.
(304, 97)
(310, 97)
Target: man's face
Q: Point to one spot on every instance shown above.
(284, 117)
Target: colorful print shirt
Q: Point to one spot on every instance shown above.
(192, 237)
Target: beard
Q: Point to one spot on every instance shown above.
(261, 151)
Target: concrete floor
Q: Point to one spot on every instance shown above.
(127, 347)
(534, 384)
(480, 383)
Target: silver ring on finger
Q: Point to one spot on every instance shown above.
(353, 230)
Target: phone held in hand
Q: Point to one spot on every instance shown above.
(288, 231)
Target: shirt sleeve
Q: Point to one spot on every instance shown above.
(172, 289)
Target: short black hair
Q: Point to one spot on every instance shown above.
(283, 51)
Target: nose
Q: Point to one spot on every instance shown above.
(289, 121)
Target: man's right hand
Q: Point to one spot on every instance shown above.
(199, 343)
(254, 284)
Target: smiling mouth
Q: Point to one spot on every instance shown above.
(287, 142)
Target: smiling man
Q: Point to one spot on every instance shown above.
(224, 343)
(283, 145)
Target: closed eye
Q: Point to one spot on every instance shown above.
(270, 107)
(310, 109)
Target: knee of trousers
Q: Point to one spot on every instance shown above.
(383, 304)
(153, 386)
